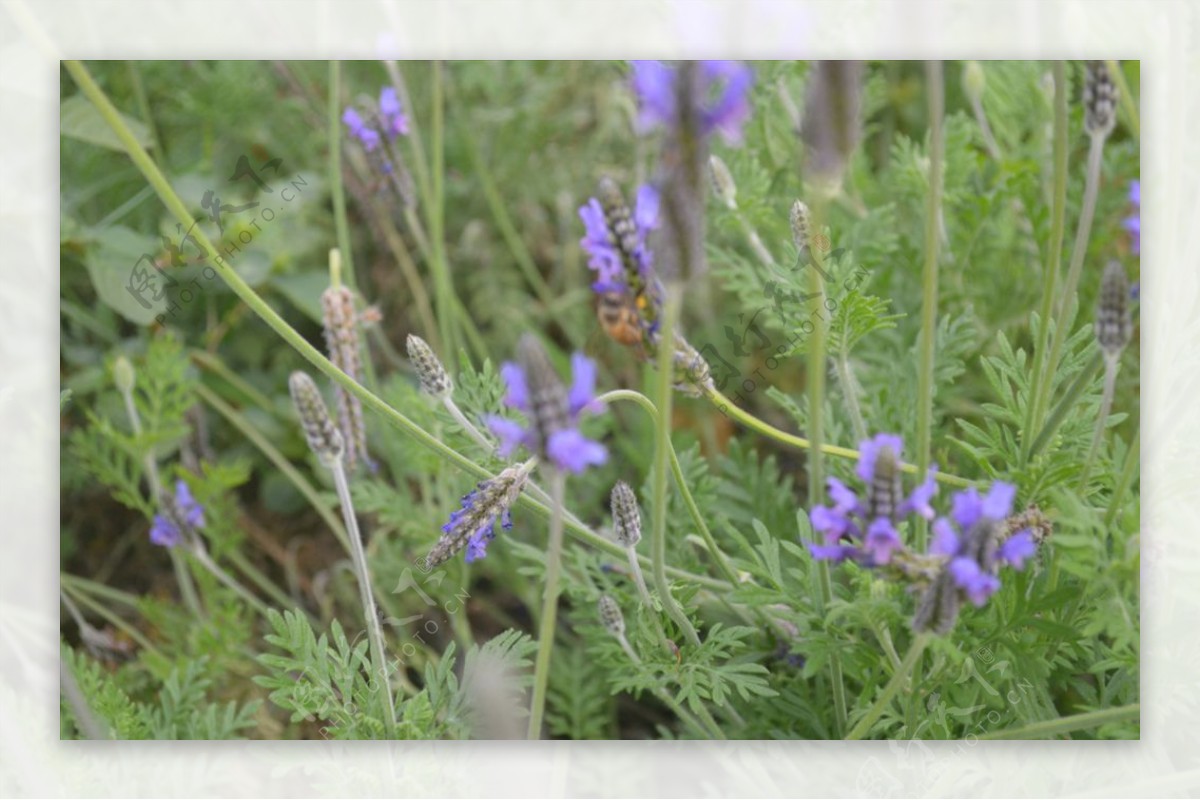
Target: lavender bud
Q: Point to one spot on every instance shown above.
(434, 379)
(973, 81)
(801, 225)
(323, 438)
(549, 410)
(832, 108)
(884, 493)
(1099, 100)
(611, 616)
(1114, 325)
(123, 375)
(722, 182)
(342, 344)
(692, 376)
(627, 517)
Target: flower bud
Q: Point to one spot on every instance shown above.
(1099, 100)
(611, 616)
(1114, 325)
(434, 379)
(323, 436)
(123, 375)
(722, 182)
(627, 517)
(973, 81)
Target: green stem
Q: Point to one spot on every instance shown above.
(73, 588)
(370, 611)
(334, 118)
(1065, 404)
(435, 212)
(639, 580)
(929, 280)
(836, 676)
(662, 450)
(1033, 414)
(850, 393)
(726, 406)
(260, 580)
(197, 550)
(297, 342)
(1111, 365)
(863, 726)
(1076, 722)
(247, 429)
(546, 626)
(1124, 480)
(215, 365)
(1065, 312)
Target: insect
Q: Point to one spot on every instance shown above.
(619, 317)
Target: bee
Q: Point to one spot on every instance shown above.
(619, 317)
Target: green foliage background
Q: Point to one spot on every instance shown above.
(524, 143)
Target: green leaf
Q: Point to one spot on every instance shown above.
(111, 262)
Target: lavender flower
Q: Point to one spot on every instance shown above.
(181, 516)
(1133, 223)
(866, 531)
(616, 239)
(359, 129)
(435, 381)
(970, 543)
(473, 526)
(323, 437)
(627, 517)
(553, 412)
(395, 122)
(1114, 322)
(723, 85)
(1099, 100)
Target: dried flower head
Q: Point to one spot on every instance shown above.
(1114, 324)
(474, 525)
(1099, 100)
(832, 124)
(323, 437)
(611, 616)
(627, 517)
(179, 517)
(434, 379)
(342, 344)
(552, 411)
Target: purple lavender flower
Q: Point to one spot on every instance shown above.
(970, 548)
(553, 414)
(360, 130)
(1133, 223)
(473, 526)
(724, 85)
(866, 531)
(615, 240)
(395, 123)
(180, 515)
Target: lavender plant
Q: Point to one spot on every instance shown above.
(676, 527)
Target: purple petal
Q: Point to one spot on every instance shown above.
(163, 532)
(1017, 548)
(602, 255)
(844, 498)
(573, 451)
(514, 381)
(831, 552)
(192, 510)
(477, 544)
(918, 501)
(1135, 192)
(353, 120)
(881, 540)
(828, 521)
(645, 214)
(733, 106)
(511, 434)
(654, 84)
(389, 103)
(966, 507)
(583, 387)
(869, 451)
(945, 540)
(977, 584)
(998, 503)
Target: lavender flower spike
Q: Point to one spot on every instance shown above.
(473, 526)
(552, 412)
(724, 85)
(181, 516)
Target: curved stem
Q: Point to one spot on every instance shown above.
(197, 550)
(662, 450)
(546, 626)
(863, 726)
(726, 406)
(370, 611)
